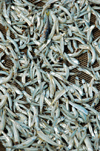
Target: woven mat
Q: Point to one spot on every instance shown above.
(82, 59)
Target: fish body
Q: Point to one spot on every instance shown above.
(46, 29)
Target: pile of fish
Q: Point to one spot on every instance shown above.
(40, 108)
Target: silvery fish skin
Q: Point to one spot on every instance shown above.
(46, 30)
(8, 1)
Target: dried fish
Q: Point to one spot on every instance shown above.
(42, 107)
(47, 139)
(46, 30)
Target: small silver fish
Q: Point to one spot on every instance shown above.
(46, 29)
